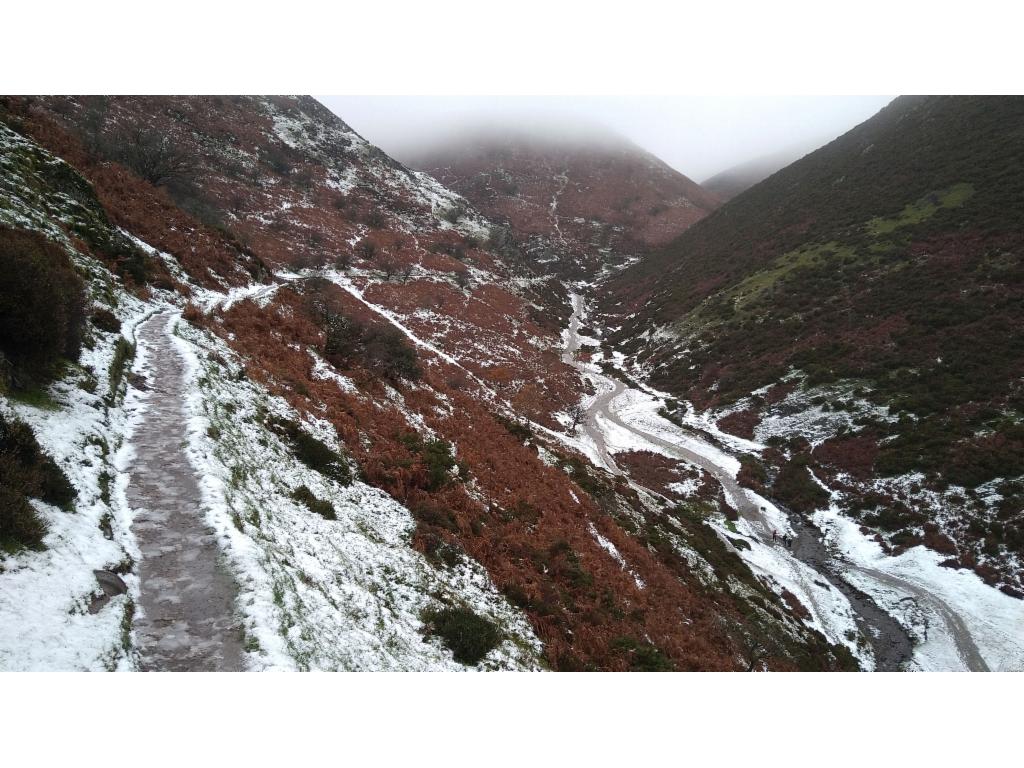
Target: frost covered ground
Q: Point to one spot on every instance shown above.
(317, 593)
(995, 620)
(45, 621)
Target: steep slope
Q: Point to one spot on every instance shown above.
(860, 312)
(578, 198)
(377, 408)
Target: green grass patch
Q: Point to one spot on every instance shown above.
(922, 210)
(124, 352)
(37, 397)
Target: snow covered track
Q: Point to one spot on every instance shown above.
(187, 620)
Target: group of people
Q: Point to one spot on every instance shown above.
(787, 542)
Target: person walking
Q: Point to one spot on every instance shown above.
(775, 536)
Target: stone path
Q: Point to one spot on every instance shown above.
(187, 620)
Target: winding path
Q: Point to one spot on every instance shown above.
(187, 621)
(890, 642)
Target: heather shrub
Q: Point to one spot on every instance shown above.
(469, 637)
(105, 320)
(389, 353)
(304, 496)
(437, 458)
(25, 471)
(42, 306)
(311, 452)
(384, 350)
(20, 525)
(643, 656)
(795, 487)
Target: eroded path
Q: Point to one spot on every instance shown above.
(187, 620)
(890, 641)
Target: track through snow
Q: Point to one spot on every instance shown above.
(187, 620)
(892, 646)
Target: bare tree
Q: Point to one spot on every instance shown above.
(153, 156)
(367, 248)
(577, 413)
(389, 265)
(343, 260)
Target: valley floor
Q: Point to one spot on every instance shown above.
(954, 620)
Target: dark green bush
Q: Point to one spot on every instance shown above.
(25, 471)
(468, 636)
(25, 468)
(303, 495)
(389, 353)
(383, 349)
(518, 429)
(795, 487)
(643, 656)
(20, 525)
(42, 306)
(437, 455)
(105, 320)
(311, 451)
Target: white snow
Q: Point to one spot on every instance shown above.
(44, 596)
(994, 620)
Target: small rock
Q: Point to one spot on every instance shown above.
(139, 382)
(97, 603)
(110, 583)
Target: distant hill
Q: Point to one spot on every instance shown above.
(741, 177)
(580, 196)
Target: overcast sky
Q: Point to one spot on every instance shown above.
(697, 135)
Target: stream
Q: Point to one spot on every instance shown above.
(891, 644)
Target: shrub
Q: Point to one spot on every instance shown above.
(437, 459)
(20, 526)
(312, 452)
(390, 354)
(25, 471)
(795, 487)
(25, 468)
(428, 514)
(42, 306)
(152, 155)
(468, 636)
(105, 320)
(303, 495)
(437, 456)
(124, 351)
(384, 350)
(643, 657)
(518, 429)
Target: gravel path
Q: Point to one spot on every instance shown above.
(187, 620)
